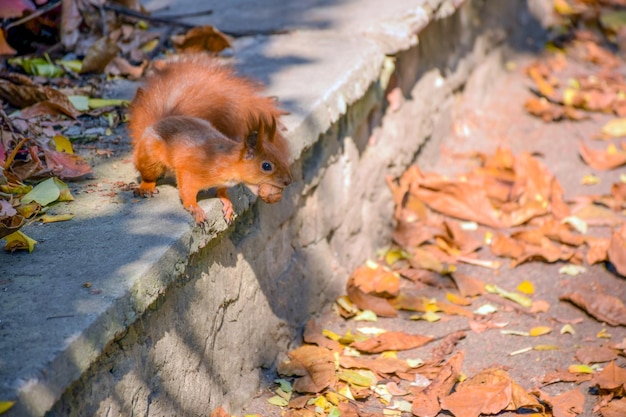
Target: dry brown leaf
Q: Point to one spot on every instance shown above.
(376, 280)
(314, 365)
(540, 107)
(502, 245)
(391, 341)
(601, 306)
(381, 365)
(446, 346)
(617, 250)
(65, 165)
(20, 92)
(568, 404)
(563, 375)
(598, 249)
(473, 400)
(364, 301)
(313, 335)
(99, 55)
(426, 402)
(615, 408)
(202, 39)
(595, 354)
(611, 379)
(602, 160)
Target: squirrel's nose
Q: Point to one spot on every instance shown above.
(287, 180)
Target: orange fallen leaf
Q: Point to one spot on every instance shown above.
(392, 341)
(314, 365)
(364, 301)
(486, 393)
(568, 404)
(426, 402)
(376, 280)
(609, 159)
(617, 250)
(611, 379)
(603, 307)
(595, 354)
(468, 286)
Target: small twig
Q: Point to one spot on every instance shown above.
(33, 15)
(192, 14)
(139, 15)
(64, 316)
(11, 157)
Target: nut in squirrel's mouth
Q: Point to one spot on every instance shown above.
(255, 188)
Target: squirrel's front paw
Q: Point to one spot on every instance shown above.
(145, 190)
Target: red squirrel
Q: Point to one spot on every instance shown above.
(212, 128)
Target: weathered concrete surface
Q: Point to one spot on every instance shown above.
(182, 321)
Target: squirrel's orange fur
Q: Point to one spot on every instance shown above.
(212, 128)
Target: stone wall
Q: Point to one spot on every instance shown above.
(241, 300)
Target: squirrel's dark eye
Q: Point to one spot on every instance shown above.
(266, 166)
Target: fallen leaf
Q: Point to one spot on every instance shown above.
(19, 241)
(609, 159)
(426, 402)
(392, 341)
(539, 331)
(376, 280)
(568, 404)
(615, 128)
(595, 354)
(601, 306)
(202, 39)
(611, 379)
(99, 55)
(615, 408)
(617, 251)
(468, 286)
(364, 301)
(314, 365)
(526, 287)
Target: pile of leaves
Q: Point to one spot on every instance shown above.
(517, 205)
(56, 68)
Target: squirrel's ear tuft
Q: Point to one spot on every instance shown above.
(252, 140)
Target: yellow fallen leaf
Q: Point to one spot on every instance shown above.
(458, 300)
(19, 241)
(603, 334)
(580, 369)
(6, 406)
(590, 179)
(329, 334)
(577, 223)
(63, 144)
(488, 237)
(539, 331)
(53, 218)
(615, 128)
(365, 315)
(518, 298)
(526, 287)
(568, 329)
(361, 377)
(431, 316)
(546, 347)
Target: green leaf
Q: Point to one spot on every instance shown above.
(284, 384)
(80, 102)
(44, 193)
(279, 401)
(96, 103)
